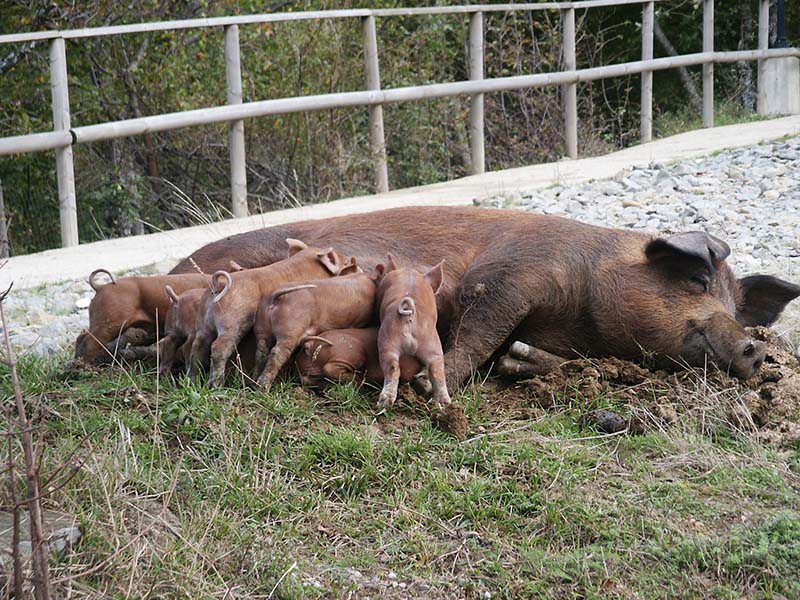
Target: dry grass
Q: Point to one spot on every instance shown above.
(190, 493)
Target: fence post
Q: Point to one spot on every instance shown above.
(708, 67)
(233, 76)
(59, 88)
(570, 90)
(476, 139)
(377, 143)
(5, 249)
(646, 129)
(763, 44)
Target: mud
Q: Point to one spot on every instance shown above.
(451, 419)
(768, 404)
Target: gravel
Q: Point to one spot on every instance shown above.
(750, 197)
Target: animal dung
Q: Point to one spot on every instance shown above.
(451, 419)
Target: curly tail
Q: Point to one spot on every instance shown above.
(98, 272)
(294, 288)
(228, 281)
(316, 338)
(407, 306)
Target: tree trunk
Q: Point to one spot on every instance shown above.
(744, 67)
(688, 82)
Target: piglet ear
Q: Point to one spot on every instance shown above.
(350, 267)
(295, 246)
(330, 260)
(763, 299)
(390, 266)
(380, 271)
(435, 277)
(234, 267)
(173, 297)
(687, 249)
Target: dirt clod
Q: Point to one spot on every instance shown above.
(451, 419)
(605, 420)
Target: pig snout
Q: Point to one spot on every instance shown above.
(748, 356)
(723, 342)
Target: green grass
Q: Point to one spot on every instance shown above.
(726, 112)
(297, 495)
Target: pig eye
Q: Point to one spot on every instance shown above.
(702, 281)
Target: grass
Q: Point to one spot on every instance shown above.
(192, 493)
(726, 112)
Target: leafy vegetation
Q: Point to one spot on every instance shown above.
(129, 186)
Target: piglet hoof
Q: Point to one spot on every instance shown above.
(422, 385)
(264, 384)
(385, 402)
(440, 401)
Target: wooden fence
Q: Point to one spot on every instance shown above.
(64, 135)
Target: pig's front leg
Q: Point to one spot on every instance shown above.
(524, 362)
(491, 304)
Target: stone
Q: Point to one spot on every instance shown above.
(65, 304)
(61, 530)
(748, 192)
(37, 316)
(23, 339)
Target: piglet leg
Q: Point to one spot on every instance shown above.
(431, 355)
(167, 349)
(436, 374)
(278, 357)
(390, 364)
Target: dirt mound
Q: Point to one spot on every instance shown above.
(767, 404)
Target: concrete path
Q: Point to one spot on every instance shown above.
(170, 246)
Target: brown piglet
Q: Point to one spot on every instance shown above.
(298, 311)
(344, 355)
(406, 302)
(130, 302)
(179, 327)
(227, 315)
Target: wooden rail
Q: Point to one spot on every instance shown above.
(234, 113)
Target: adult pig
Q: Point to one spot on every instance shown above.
(556, 284)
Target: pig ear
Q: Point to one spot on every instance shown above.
(390, 266)
(692, 246)
(173, 297)
(330, 260)
(295, 246)
(763, 299)
(350, 267)
(380, 271)
(435, 277)
(234, 267)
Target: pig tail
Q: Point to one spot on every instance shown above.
(98, 272)
(228, 282)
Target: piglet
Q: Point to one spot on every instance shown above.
(298, 311)
(408, 315)
(343, 355)
(179, 327)
(226, 316)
